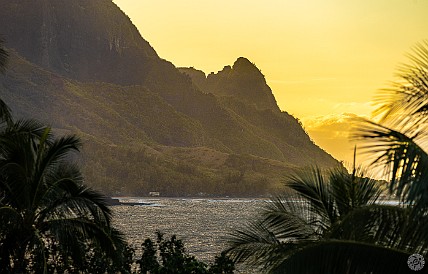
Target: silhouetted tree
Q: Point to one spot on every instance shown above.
(46, 210)
(330, 225)
(174, 259)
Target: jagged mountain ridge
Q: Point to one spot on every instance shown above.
(243, 81)
(83, 67)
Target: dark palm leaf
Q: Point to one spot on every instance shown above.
(401, 228)
(59, 149)
(406, 103)
(291, 219)
(405, 160)
(55, 211)
(67, 196)
(348, 257)
(288, 223)
(257, 247)
(312, 187)
(25, 126)
(353, 190)
(72, 233)
(49, 157)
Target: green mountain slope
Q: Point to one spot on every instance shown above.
(82, 67)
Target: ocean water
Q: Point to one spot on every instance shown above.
(202, 224)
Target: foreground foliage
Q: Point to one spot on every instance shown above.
(332, 224)
(335, 224)
(46, 212)
(49, 220)
(173, 259)
(399, 139)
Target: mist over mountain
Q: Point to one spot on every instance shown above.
(83, 67)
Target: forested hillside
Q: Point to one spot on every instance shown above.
(147, 125)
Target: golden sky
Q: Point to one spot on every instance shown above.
(323, 59)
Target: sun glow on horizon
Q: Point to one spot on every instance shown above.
(319, 57)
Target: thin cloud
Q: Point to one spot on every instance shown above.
(331, 132)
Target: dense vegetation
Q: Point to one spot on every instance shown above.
(174, 259)
(103, 82)
(151, 170)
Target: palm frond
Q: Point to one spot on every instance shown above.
(62, 184)
(25, 127)
(257, 247)
(291, 219)
(312, 187)
(383, 225)
(60, 212)
(73, 232)
(59, 149)
(75, 200)
(353, 190)
(348, 257)
(406, 162)
(405, 103)
(18, 152)
(286, 223)
(402, 228)
(14, 184)
(49, 156)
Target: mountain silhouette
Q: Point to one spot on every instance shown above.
(243, 81)
(83, 67)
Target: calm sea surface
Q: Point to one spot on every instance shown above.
(201, 223)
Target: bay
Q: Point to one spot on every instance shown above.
(202, 224)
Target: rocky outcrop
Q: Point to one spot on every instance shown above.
(243, 81)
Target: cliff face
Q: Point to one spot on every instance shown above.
(82, 67)
(84, 40)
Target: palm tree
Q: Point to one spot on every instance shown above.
(46, 211)
(398, 140)
(330, 224)
(49, 220)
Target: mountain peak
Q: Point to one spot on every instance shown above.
(242, 81)
(243, 62)
(243, 65)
